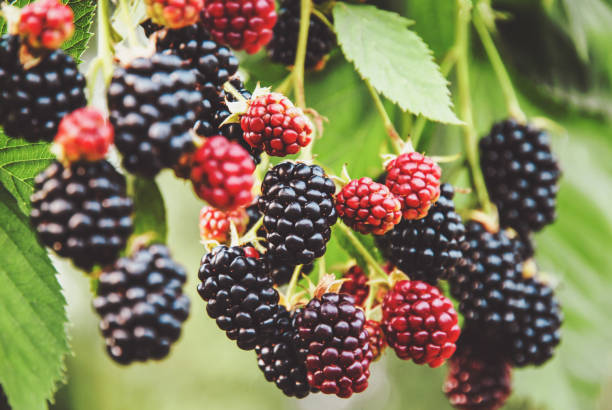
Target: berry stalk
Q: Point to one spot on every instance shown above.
(300, 56)
(362, 250)
(124, 11)
(396, 140)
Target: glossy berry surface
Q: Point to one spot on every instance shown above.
(240, 295)
(376, 338)
(278, 358)
(272, 123)
(355, 283)
(142, 305)
(368, 207)
(84, 134)
(222, 173)
(215, 224)
(429, 248)
(45, 24)
(33, 101)
(415, 180)
(521, 174)
(333, 341)
(241, 24)
(298, 208)
(174, 13)
(82, 212)
(420, 323)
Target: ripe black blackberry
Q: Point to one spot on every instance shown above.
(33, 101)
(521, 175)
(278, 359)
(298, 206)
(142, 305)
(282, 48)
(153, 104)
(427, 249)
(240, 295)
(82, 212)
(149, 27)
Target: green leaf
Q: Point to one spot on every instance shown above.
(394, 59)
(149, 209)
(33, 340)
(20, 162)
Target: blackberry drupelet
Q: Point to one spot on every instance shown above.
(149, 27)
(278, 359)
(240, 295)
(33, 101)
(321, 39)
(521, 174)
(356, 284)
(82, 212)
(298, 206)
(153, 104)
(142, 305)
(333, 342)
(427, 249)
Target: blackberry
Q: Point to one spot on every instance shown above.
(240, 295)
(278, 359)
(4, 405)
(298, 206)
(321, 39)
(33, 101)
(427, 249)
(521, 174)
(153, 103)
(82, 212)
(333, 342)
(149, 27)
(142, 305)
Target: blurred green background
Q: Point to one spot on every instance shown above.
(559, 55)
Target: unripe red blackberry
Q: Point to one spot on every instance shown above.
(278, 358)
(321, 39)
(240, 295)
(222, 173)
(45, 24)
(173, 13)
(333, 341)
(430, 248)
(153, 103)
(521, 174)
(82, 212)
(420, 323)
(215, 224)
(33, 101)
(477, 381)
(242, 24)
(84, 134)
(368, 207)
(415, 180)
(376, 338)
(298, 207)
(273, 124)
(142, 305)
(356, 284)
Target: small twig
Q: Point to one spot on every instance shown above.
(394, 136)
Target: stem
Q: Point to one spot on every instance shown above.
(284, 86)
(127, 20)
(324, 19)
(465, 103)
(293, 283)
(498, 65)
(362, 250)
(394, 136)
(300, 53)
(105, 43)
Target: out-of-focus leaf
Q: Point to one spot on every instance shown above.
(149, 209)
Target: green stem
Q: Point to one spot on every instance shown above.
(130, 25)
(284, 86)
(105, 43)
(394, 136)
(324, 19)
(498, 65)
(293, 283)
(465, 103)
(300, 54)
(362, 250)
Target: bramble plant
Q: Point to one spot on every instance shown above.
(349, 209)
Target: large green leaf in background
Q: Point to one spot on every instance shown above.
(32, 317)
(149, 209)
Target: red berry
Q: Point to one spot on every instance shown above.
(368, 207)
(415, 180)
(420, 323)
(251, 252)
(46, 24)
(356, 284)
(376, 338)
(215, 224)
(84, 134)
(222, 173)
(174, 13)
(272, 123)
(241, 24)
